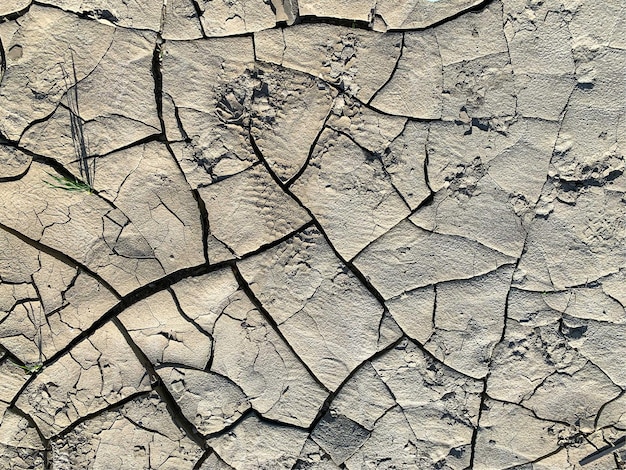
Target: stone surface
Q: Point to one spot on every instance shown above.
(312, 234)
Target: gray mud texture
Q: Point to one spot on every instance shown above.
(312, 234)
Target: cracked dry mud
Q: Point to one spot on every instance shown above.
(312, 234)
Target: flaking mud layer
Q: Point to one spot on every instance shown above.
(312, 234)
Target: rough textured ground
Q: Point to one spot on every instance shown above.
(312, 234)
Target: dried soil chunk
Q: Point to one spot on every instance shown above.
(350, 193)
(510, 435)
(209, 401)
(416, 85)
(358, 10)
(13, 163)
(228, 17)
(145, 183)
(111, 108)
(212, 114)
(357, 61)
(140, 434)
(468, 321)
(414, 14)
(34, 83)
(281, 130)
(330, 319)
(408, 257)
(249, 210)
(164, 335)
(250, 353)
(99, 372)
(275, 447)
(181, 21)
(13, 6)
(135, 14)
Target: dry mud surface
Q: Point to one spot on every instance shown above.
(312, 234)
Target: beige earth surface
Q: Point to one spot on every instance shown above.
(312, 234)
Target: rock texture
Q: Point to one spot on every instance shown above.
(312, 234)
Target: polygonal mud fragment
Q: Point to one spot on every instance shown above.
(13, 379)
(49, 306)
(468, 321)
(415, 88)
(282, 131)
(99, 372)
(404, 161)
(602, 343)
(339, 436)
(591, 141)
(13, 6)
(416, 14)
(249, 210)
(357, 10)
(357, 61)
(209, 401)
(481, 212)
(212, 115)
(110, 108)
(594, 24)
(181, 21)
(13, 163)
(34, 82)
(202, 299)
(414, 312)
(479, 88)
(313, 457)
(510, 435)
(464, 151)
(349, 192)
(214, 462)
(330, 319)
(540, 48)
(364, 398)
(529, 154)
(585, 242)
(140, 434)
(21, 447)
(273, 446)
(370, 129)
(147, 186)
(133, 14)
(251, 354)
(472, 35)
(408, 257)
(164, 335)
(228, 18)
